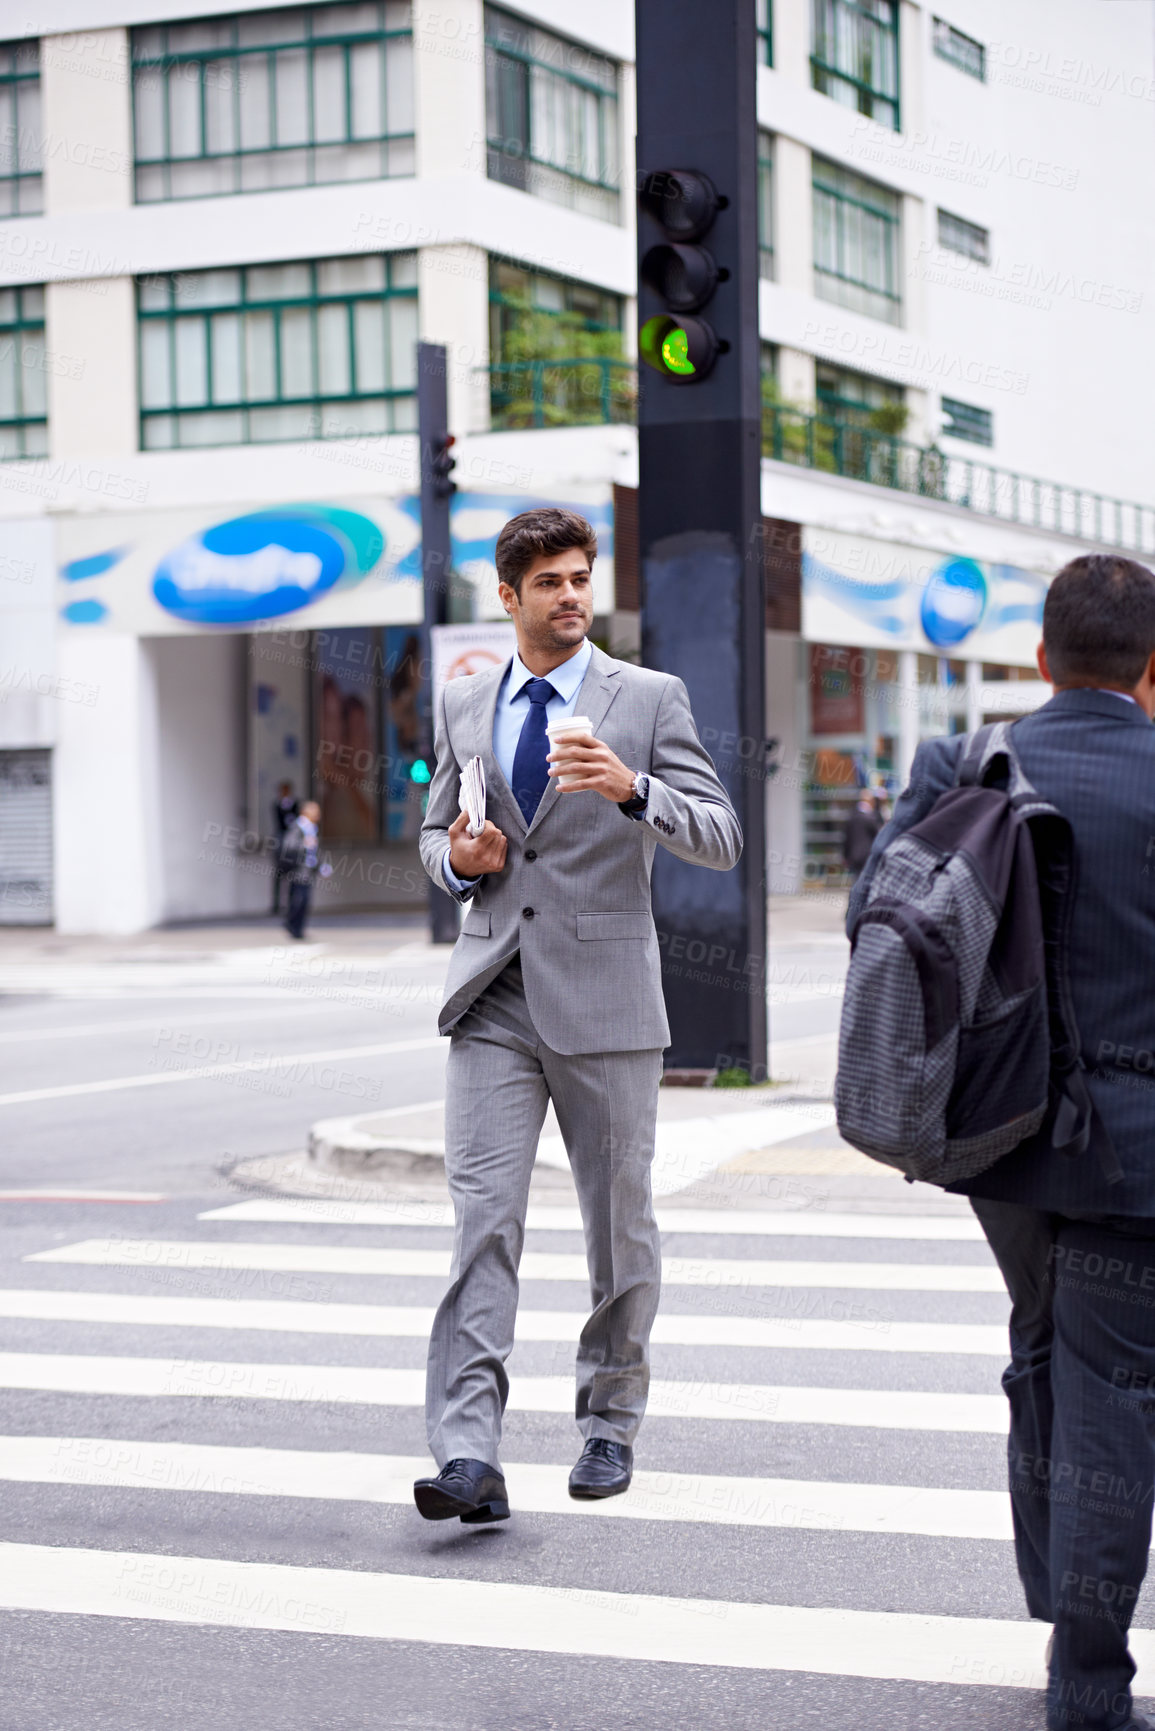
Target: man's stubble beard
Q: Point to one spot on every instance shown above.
(547, 637)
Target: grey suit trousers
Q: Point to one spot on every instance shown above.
(500, 1080)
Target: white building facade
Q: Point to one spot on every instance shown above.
(222, 233)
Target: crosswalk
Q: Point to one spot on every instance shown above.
(821, 1465)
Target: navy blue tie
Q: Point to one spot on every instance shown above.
(530, 769)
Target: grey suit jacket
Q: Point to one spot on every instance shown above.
(574, 894)
(1093, 755)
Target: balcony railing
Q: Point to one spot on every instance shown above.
(596, 390)
(864, 454)
(593, 390)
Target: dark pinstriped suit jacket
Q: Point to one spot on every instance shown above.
(1093, 755)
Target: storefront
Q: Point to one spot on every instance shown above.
(900, 644)
(233, 656)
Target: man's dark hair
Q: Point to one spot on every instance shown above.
(1099, 622)
(548, 529)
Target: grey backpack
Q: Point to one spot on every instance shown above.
(958, 1038)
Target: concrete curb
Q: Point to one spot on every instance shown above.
(347, 1146)
(338, 1145)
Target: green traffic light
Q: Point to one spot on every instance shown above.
(676, 351)
(419, 771)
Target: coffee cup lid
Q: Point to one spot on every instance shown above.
(570, 724)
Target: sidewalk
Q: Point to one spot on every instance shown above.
(793, 920)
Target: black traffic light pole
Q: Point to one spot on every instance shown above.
(437, 488)
(699, 436)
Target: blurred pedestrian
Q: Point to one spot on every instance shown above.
(285, 809)
(862, 826)
(301, 858)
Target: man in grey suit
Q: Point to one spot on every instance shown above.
(1075, 1238)
(554, 993)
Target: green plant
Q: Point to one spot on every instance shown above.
(734, 1077)
(890, 418)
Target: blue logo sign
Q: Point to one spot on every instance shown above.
(953, 602)
(266, 564)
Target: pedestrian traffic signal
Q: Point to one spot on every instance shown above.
(443, 465)
(421, 772)
(683, 274)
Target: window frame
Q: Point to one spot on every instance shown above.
(945, 35)
(766, 205)
(765, 31)
(18, 329)
(16, 79)
(319, 402)
(821, 68)
(855, 410)
(525, 59)
(893, 219)
(984, 422)
(979, 253)
(237, 53)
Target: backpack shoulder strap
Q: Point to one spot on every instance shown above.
(989, 757)
(986, 751)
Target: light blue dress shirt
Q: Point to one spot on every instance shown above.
(509, 719)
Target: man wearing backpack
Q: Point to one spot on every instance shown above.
(1075, 1242)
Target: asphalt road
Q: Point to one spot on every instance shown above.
(211, 1407)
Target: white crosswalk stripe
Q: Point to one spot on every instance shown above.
(923, 1384)
(708, 1499)
(720, 1222)
(867, 1332)
(228, 1379)
(486, 1613)
(713, 1272)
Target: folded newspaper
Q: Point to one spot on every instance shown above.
(472, 800)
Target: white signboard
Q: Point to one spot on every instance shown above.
(458, 650)
(881, 595)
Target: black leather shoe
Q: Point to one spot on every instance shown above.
(604, 1470)
(471, 1490)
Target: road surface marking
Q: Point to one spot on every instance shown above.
(493, 1614)
(884, 1409)
(543, 1217)
(202, 1072)
(861, 1331)
(534, 1489)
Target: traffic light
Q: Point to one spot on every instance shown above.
(682, 273)
(421, 771)
(443, 465)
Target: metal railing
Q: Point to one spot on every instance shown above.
(863, 454)
(596, 390)
(591, 390)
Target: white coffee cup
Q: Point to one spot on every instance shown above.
(568, 727)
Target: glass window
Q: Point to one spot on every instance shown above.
(552, 117)
(21, 136)
(765, 205)
(273, 99)
(556, 349)
(765, 24)
(856, 397)
(955, 234)
(291, 351)
(964, 421)
(962, 51)
(854, 56)
(23, 374)
(856, 242)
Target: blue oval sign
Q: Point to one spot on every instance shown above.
(255, 567)
(953, 602)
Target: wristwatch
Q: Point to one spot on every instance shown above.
(636, 804)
